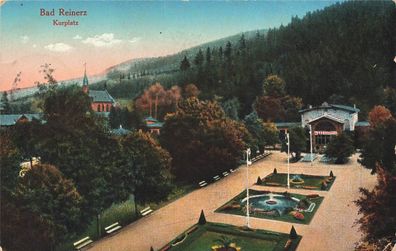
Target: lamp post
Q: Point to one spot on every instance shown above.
(288, 160)
(247, 187)
(310, 142)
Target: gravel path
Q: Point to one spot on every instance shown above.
(332, 227)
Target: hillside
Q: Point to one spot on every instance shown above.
(341, 54)
(172, 62)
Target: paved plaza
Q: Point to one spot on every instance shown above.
(332, 227)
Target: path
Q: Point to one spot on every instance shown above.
(330, 229)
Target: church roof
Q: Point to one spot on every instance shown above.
(325, 105)
(101, 96)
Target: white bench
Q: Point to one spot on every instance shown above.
(232, 170)
(146, 211)
(217, 177)
(112, 228)
(225, 174)
(82, 243)
(202, 183)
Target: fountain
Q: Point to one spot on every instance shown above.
(276, 204)
(296, 180)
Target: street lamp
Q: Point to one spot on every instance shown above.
(288, 160)
(310, 142)
(247, 186)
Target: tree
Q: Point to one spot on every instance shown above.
(76, 142)
(270, 134)
(201, 141)
(340, 148)
(191, 90)
(231, 108)
(274, 86)
(10, 159)
(298, 141)
(390, 100)
(379, 147)
(5, 103)
(208, 56)
(184, 64)
(22, 229)
(377, 210)
(44, 191)
(147, 165)
(269, 109)
(378, 115)
(291, 106)
(199, 58)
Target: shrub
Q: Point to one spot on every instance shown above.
(202, 219)
(331, 174)
(275, 171)
(259, 181)
(293, 233)
(323, 186)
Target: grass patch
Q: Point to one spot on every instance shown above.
(311, 182)
(235, 206)
(203, 237)
(123, 213)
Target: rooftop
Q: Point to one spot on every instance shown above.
(101, 96)
(325, 105)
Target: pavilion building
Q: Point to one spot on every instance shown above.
(326, 121)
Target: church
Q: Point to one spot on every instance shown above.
(101, 101)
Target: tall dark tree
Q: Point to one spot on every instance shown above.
(199, 58)
(185, 64)
(6, 107)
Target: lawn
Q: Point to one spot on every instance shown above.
(311, 182)
(290, 214)
(203, 237)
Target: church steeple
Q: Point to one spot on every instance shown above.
(85, 80)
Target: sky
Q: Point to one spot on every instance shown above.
(115, 31)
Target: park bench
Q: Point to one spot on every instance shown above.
(225, 174)
(232, 170)
(82, 243)
(146, 211)
(217, 177)
(112, 228)
(202, 183)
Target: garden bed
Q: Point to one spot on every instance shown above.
(206, 237)
(302, 211)
(304, 181)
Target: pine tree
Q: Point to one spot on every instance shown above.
(199, 58)
(6, 103)
(185, 64)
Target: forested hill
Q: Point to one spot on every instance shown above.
(158, 65)
(341, 54)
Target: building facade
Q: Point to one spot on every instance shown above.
(327, 121)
